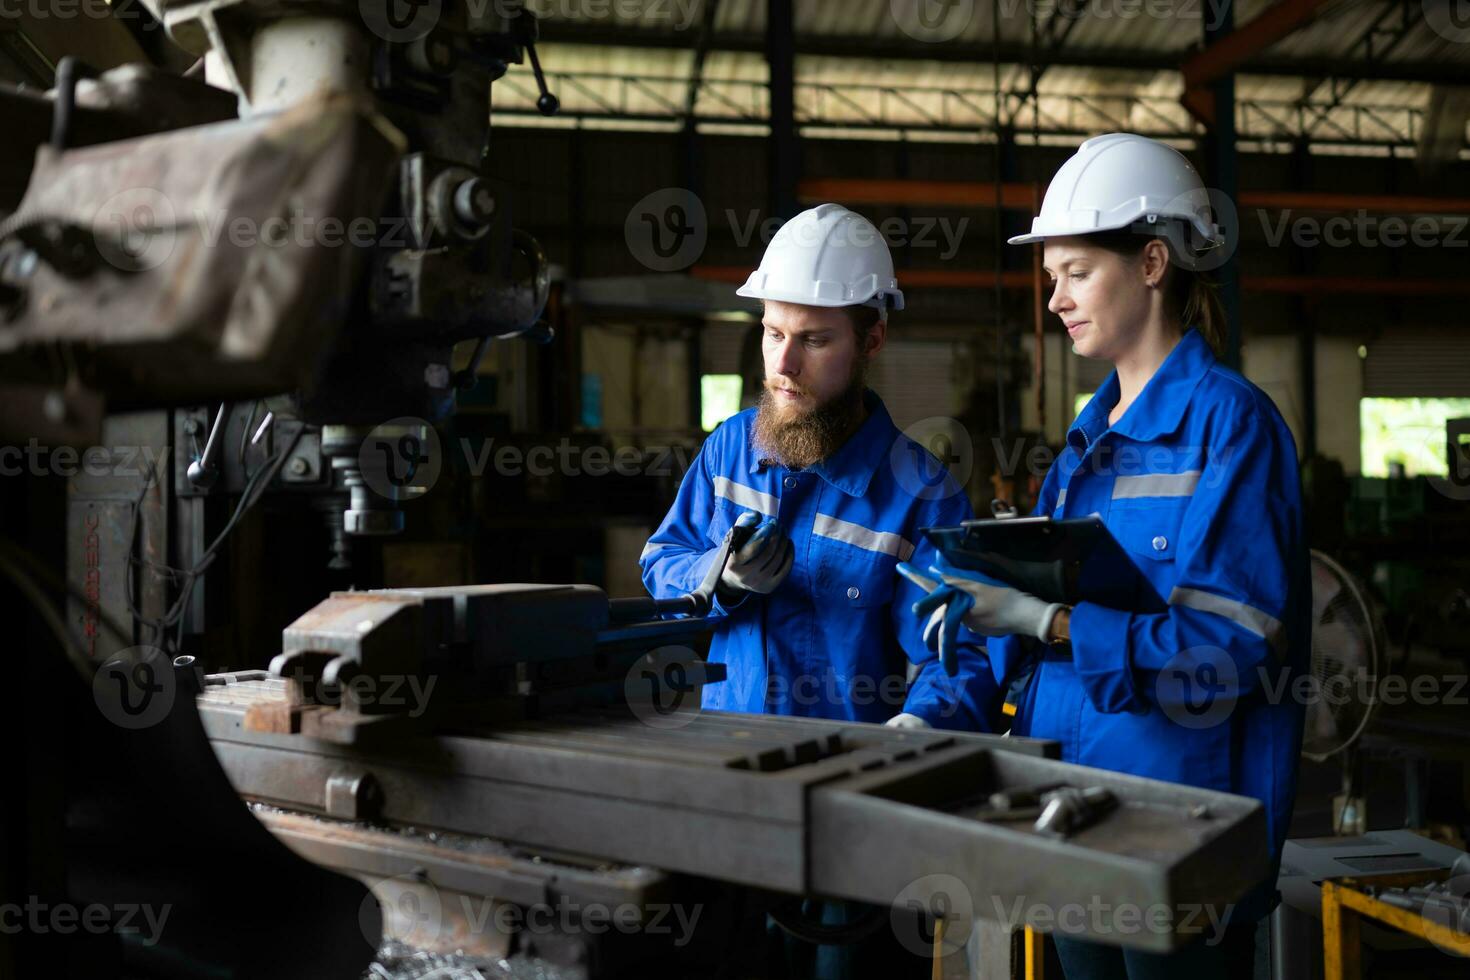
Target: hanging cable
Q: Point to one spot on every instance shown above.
(185, 579)
(24, 571)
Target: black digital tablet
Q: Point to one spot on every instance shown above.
(1035, 554)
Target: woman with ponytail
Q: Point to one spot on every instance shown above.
(1177, 662)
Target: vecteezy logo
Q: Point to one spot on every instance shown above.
(1450, 19)
(660, 687)
(922, 905)
(1456, 449)
(400, 458)
(135, 229)
(933, 458)
(933, 21)
(1190, 247)
(667, 230)
(406, 907)
(1197, 688)
(135, 689)
(400, 21)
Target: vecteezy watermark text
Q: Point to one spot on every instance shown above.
(64, 919)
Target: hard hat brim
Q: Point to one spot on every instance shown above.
(1041, 234)
(895, 297)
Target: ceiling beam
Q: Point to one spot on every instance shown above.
(555, 31)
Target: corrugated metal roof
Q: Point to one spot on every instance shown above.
(1160, 26)
(955, 95)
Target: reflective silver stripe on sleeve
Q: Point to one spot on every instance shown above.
(652, 547)
(1061, 496)
(1156, 485)
(1262, 624)
(743, 496)
(885, 542)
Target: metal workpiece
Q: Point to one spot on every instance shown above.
(1068, 810)
(802, 806)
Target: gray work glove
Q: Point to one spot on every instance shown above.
(762, 563)
(986, 606)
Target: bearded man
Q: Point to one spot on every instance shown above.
(812, 618)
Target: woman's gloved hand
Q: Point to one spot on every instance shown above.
(988, 607)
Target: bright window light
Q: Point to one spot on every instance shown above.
(719, 398)
(1408, 431)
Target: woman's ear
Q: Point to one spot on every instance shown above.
(1155, 263)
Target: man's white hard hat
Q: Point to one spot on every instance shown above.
(827, 256)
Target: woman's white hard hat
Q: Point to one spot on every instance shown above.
(1118, 180)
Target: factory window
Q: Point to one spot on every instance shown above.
(719, 398)
(1408, 431)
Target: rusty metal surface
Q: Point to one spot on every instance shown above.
(777, 803)
(467, 864)
(182, 300)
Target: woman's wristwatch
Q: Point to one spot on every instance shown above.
(1059, 634)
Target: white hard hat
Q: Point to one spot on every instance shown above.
(1115, 180)
(826, 256)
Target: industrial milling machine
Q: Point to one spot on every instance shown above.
(251, 285)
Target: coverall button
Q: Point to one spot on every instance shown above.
(791, 483)
(853, 592)
(1160, 543)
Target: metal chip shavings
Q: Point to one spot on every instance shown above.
(400, 961)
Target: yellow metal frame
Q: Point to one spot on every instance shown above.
(1035, 954)
(1344, 905)
(1034, 957)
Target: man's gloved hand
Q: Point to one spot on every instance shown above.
(762, 563)
(905, 720)
(986, 606)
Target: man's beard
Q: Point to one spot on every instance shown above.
(797, 438)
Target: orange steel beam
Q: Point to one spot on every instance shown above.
(942, 193)
(1020, 196)
(1237, 47)
(925, 278)
(1385, 203)
(1318, 285)
(1025, 279)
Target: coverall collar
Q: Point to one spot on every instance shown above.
(851, 468)
(1159, 408)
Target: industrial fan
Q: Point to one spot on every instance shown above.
(1348, 645)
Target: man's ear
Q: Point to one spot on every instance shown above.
(877, 337)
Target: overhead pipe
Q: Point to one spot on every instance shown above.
(1017, 279)
(1019, 196)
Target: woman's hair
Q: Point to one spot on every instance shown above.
(1188, 295)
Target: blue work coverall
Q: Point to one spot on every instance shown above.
(1181, 661)
(836, 639)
